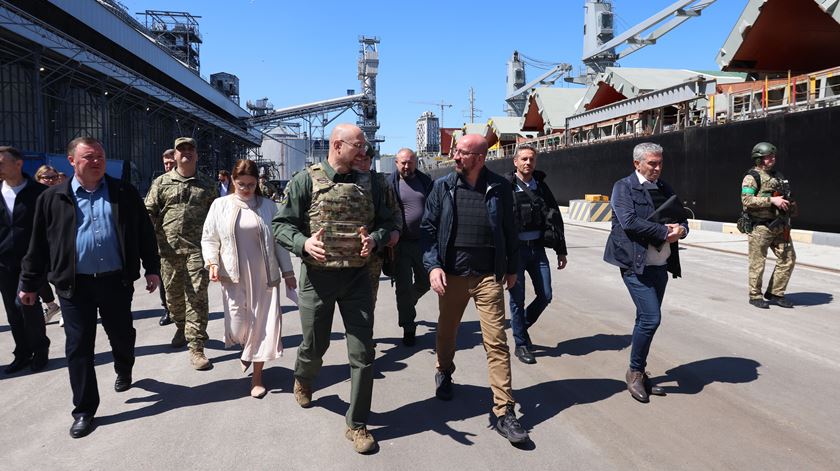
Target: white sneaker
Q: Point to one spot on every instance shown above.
(61, 321)
(52, 310)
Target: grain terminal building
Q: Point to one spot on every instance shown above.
(71, 68)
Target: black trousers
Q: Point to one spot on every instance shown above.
(111, 297)
(26, 322)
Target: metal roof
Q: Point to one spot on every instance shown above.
(548, 108)
(103, 20)
(619, 83)
(776, 36)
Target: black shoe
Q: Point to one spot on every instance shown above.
(123, 383)
(760, 303)
(81, 427)
(17, 364)
(636, 386)
(650, 388)
(443, 386)
(164, 318)
(780, 301)
(179, 340)
(409, 338)
(39, 361)
(509, 427)
(524, 355)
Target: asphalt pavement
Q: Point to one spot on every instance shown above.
(746, 388)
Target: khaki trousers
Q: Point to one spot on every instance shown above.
(761, 239)
(489, 298)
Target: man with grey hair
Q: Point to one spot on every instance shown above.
(411, 187)
(643, 244)
(540, 226)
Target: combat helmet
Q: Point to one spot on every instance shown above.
(763, 149)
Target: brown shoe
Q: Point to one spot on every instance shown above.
(303, 394)
(636, 385)
(363, 441)
(199, 361)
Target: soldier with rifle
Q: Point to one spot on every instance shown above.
(765, 196)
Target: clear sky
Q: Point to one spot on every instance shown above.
(294, 52)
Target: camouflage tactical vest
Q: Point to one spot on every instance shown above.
(340, 208)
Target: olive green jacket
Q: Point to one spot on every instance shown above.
(291, 223)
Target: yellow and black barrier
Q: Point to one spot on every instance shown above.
(589, 211)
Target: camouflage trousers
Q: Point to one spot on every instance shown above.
(761, 239)
(374, 267)
(186, 283)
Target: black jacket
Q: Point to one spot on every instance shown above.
(15, 233)
(52, 249)
(439, 219)
(545, 193)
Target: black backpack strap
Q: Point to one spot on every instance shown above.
(524, 187)
(754, 173)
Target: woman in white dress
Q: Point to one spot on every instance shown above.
(239, 251)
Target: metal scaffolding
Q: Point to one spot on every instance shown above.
(54, 88)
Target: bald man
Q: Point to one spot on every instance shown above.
(471, 251)
(333, 219)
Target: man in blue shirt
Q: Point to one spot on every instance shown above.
(89, 235)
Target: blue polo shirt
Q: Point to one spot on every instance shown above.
(97, 245)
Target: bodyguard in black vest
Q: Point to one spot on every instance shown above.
(539, 228)
(645, 251)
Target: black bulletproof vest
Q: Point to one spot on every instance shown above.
(471, 220)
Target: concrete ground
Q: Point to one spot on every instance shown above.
(747, 388)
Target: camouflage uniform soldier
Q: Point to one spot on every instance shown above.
(178, 202)
(375, 261)
(767, 205)
(268, 189)
(324, 218)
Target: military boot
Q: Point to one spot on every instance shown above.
(780, 301)
(199, 361)
(303, 393)
(179, 340)
(363, 441)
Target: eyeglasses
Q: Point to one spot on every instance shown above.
(468, 154)
(357, 146)
(48, 177)
(243, 186)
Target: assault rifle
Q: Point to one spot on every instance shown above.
(784, 216)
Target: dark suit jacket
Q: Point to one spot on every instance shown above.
(631, 231)
(16, 231)
(52, 249)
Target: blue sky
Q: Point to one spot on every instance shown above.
(302, 51)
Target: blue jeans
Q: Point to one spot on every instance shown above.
(533, 259)
(647, 291)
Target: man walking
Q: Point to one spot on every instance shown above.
(645, 251)
(89, 236)
(764, 197)
(533, 202)
(168, 165)
(411, 187)
(332, 219)
(26, 321)
(178, 202)
(470, 251)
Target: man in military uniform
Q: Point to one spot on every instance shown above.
(332, 218)
(764, 197)
(375, 261)
(268, 189)
(178, 202)
(168, 165)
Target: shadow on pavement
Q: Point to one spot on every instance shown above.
(586, 345)
(809, 298)
(543, 401)
(692, 377)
